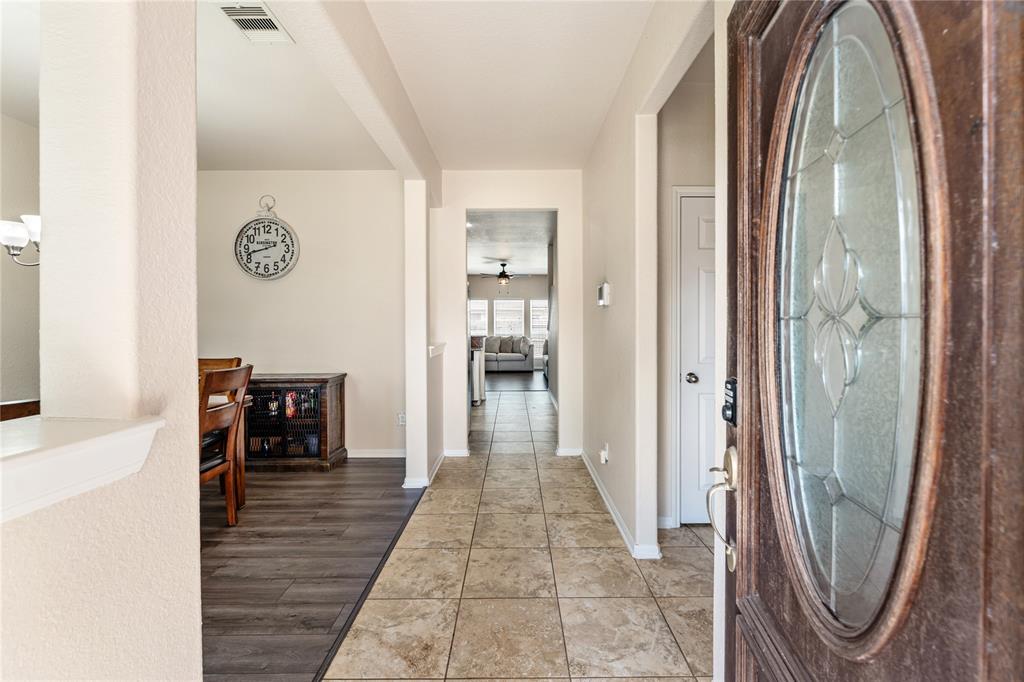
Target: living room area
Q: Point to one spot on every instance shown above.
(512, 311)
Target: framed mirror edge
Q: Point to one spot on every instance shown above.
(898, 19)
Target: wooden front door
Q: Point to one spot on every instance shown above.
(876, 340)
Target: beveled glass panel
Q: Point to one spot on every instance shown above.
(811, 199)
(849, 306)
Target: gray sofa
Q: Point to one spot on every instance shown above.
(508, 354)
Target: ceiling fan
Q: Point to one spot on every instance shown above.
(503, 277)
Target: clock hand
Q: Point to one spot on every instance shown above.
(263, 249)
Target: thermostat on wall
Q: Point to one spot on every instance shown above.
(604, 294)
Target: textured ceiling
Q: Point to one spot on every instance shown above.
(267, 107)
(519, 238)
(260, 107)
(496, 85)
(511, 85)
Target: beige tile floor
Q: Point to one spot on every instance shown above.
(512, 568)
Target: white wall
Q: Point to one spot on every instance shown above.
(525, 287)
(19, 301)
(106, 585)
(339, 310)
(686, 156)
(620, 245)
(558, 190)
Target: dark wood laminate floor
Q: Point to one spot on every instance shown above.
(516, 381)
(279, 587)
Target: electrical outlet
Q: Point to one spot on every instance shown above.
(400, 419)
(604, 454)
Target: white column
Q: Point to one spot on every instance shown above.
(573, 296)
(646, 336)
(120, 564)
(88, 137)
(416, 325)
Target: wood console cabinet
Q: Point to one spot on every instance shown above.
(296, 422)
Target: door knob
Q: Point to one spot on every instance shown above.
(692, 378)
(726, 486)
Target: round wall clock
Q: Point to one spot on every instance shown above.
(266, 247)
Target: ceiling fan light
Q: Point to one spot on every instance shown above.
(503, 277)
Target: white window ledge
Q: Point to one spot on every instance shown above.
(46, 460)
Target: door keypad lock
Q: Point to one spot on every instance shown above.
(729, 406)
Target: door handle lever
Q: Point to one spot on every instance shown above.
(725, 486)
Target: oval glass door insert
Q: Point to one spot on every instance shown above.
(849, 308)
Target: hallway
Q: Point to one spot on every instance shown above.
(512, 567)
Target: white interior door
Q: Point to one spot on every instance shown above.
(697, 407)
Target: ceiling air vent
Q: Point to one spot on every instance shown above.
(257, 24)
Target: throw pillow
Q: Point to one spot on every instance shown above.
(524, 345)
(506, 345)
(491, 344)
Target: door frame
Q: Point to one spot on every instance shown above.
(674, 370)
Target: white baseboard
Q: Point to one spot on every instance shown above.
(568, 452)
(668, 522)
(456, 453)
(416, 483)
(554, 400)
(437, 467)
(369, 453)
(638, 551)
(646, 552)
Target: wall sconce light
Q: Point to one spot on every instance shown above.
(15, 236)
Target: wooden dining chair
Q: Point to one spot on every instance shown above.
(218, 427)
(218, 363)
(231, 363)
